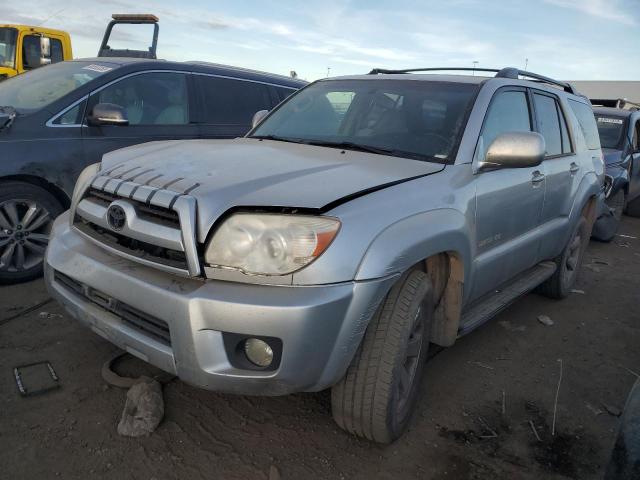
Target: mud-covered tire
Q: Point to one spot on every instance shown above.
(33, 210)
(559, 285)
(377, 395)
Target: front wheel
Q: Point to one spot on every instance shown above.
(26, 216)
(377, 395)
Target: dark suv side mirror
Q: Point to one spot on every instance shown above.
(108, 114)
(514, 150)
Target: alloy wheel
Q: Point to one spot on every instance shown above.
(24, 234)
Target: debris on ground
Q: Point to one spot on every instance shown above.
(595, 410)
(274, 473)
(626, 236)
(545, 320)
(611, 410)
(49, 315)
(591, 267)
(143, 410)
(575, 290)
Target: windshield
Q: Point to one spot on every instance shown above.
(40, 87)
(611, 130)
(8, 47)
(405, 118)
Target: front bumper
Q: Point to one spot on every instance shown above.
(320, 326)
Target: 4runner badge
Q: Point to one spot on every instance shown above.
(116, 218)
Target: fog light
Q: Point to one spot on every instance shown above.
(258, 352)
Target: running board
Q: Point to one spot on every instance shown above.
(493, 303)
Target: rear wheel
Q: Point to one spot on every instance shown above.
(559, 285)
(26, 215)
(377, 395)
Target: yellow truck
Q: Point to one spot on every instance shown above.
(23, 48)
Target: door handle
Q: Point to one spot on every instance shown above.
(537, 177)
(574, 168)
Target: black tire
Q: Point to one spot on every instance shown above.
(375, 399)
(20, 197)
(559, 285)
(607, 226)
(633, 208)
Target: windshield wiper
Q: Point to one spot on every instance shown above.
(7, 116)
(276, 138)
(371, 149)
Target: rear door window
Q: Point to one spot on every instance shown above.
(509, 112)
(284, 93)
(587, 121)
(549, 123)
(57, 53)
(232, 102)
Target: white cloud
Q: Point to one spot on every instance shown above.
(603, 9)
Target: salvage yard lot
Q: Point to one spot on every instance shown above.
(459, 430)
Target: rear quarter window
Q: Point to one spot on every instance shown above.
(587, 121)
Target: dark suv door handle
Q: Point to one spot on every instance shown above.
(537, 177)
(574, 167)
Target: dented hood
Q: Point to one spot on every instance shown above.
(245, 172)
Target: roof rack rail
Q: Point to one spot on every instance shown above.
(508, 72)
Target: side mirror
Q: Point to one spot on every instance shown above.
(45, 51)
(107, 114)
(258, 117)
(514, 150)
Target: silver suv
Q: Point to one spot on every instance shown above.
(363, 219)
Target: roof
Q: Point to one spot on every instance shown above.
(201, 67)
(417, 76)
(33, 27)
(618, 112)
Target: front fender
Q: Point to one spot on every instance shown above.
(415, 238)
(588, 189)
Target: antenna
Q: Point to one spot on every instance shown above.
(475, 65)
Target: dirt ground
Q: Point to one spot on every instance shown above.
(459, 430)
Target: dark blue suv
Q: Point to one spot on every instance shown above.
(54, 121)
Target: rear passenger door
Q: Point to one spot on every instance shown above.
(228, 104)
(508, 201)
(561, 168)
(158, 107)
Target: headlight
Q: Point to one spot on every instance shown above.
(270, 244)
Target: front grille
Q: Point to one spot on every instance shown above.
(146, 211)
(152, 326)
(131, 246)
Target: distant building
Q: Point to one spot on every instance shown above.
(610, 93)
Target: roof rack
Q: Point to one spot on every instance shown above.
(508, 72)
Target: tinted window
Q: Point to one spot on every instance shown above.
(548, 123)
(31, 51)
(151, 98)
(403, 118)
(284, 92)
(232, 102)
(57, 55)
(72, 116)
(611, 130)
(566, 141)
(509, 112)
(636, 136)
(40, 87)
(8, 46)
(587, 122)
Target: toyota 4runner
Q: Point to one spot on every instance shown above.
(363, 219)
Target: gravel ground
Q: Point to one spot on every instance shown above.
(460, 429)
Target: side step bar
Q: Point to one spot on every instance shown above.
(493, 303)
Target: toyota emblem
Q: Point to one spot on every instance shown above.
(116, 218)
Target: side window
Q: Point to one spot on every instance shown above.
(232, 102)
(566, 141)
(72, 116)
(57, 54)
(284, 93)
(150, 98)
(636, 136)
(31, 51)
(548, 123)
(587, 121)
(508, 112)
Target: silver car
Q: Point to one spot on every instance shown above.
(363, 219)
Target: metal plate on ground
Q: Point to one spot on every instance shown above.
(36, 378)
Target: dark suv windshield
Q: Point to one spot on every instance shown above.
(38, 88)
(8, 47)
(611, 130)
(405, 118)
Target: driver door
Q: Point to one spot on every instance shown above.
(508, 201)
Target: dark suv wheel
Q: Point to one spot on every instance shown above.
(26, 215)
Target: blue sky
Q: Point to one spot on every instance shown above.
(568, 39)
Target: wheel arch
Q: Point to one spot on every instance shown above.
(40, 182)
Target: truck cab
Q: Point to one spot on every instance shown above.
(23, 48)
